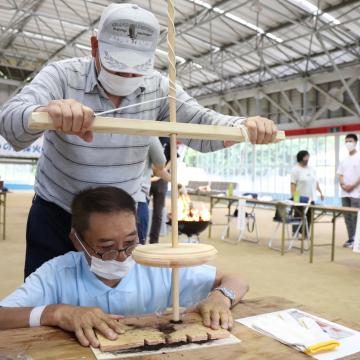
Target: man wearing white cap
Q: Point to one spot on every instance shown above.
(120, 73)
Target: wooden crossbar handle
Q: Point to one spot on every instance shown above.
(42, 121)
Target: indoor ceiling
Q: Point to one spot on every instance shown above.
(220, 45)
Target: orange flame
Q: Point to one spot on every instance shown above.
(187, 212)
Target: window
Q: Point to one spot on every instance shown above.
(265, 169)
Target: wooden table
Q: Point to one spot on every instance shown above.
(335, 212)
(3, 212)
(55, 344)
(231, 200)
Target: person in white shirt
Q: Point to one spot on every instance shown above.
(303, 177)
(304, 181)
(349, 179)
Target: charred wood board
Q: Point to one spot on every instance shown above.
(153, 331)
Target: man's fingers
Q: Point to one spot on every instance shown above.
(114, 326)
(206, 317)
(104, 326)
(260, 131)
(71, 117)
(252, 130)
(224, 319)
(116, 317)
(81, 337)
(230, 319)
(91, 337)
(87, 136)
(77, 116)
(88, 118)
(268, 131)
(215, 319)
(67, 117)
(54, 110)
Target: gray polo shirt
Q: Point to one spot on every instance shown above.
(68, 164)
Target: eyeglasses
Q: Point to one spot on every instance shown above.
(111, 254)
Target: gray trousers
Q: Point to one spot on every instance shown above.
(350, 218)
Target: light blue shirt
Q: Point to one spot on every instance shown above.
(67, 279)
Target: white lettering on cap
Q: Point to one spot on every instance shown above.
(143, 44)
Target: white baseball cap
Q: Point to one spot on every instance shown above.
(127, 38)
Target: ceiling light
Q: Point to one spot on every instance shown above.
(43, 37)
(83, 47)
(201, 3)
(312, 9)
(274, 37)
(239, 20)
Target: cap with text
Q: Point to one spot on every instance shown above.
(127, 37)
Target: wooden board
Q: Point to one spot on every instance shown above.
(148, 331)
(42, 121)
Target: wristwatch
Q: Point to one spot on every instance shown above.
(230, 294)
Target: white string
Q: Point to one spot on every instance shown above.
(244, 132)
(129, 106)
(241, 127)
(243, 151)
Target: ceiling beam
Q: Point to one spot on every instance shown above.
(273, 87)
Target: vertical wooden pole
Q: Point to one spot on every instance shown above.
(173, 152)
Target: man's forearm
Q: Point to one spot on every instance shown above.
(14, 124)
(12, 318)
(234, 283)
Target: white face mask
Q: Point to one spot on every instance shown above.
(109, 269)
(350, 146)
(119, 85)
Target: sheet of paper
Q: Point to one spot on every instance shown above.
(349, 339)
(122, 354)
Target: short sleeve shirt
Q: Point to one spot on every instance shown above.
(305, 180)
(67, 279)
(349, 168)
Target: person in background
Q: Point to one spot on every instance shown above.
(158, 192)
(155, 165)
(87, 290)
(304, 183)
(303, 178)
(349, 180)
(120, 73)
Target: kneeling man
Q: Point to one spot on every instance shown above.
(90, 289)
